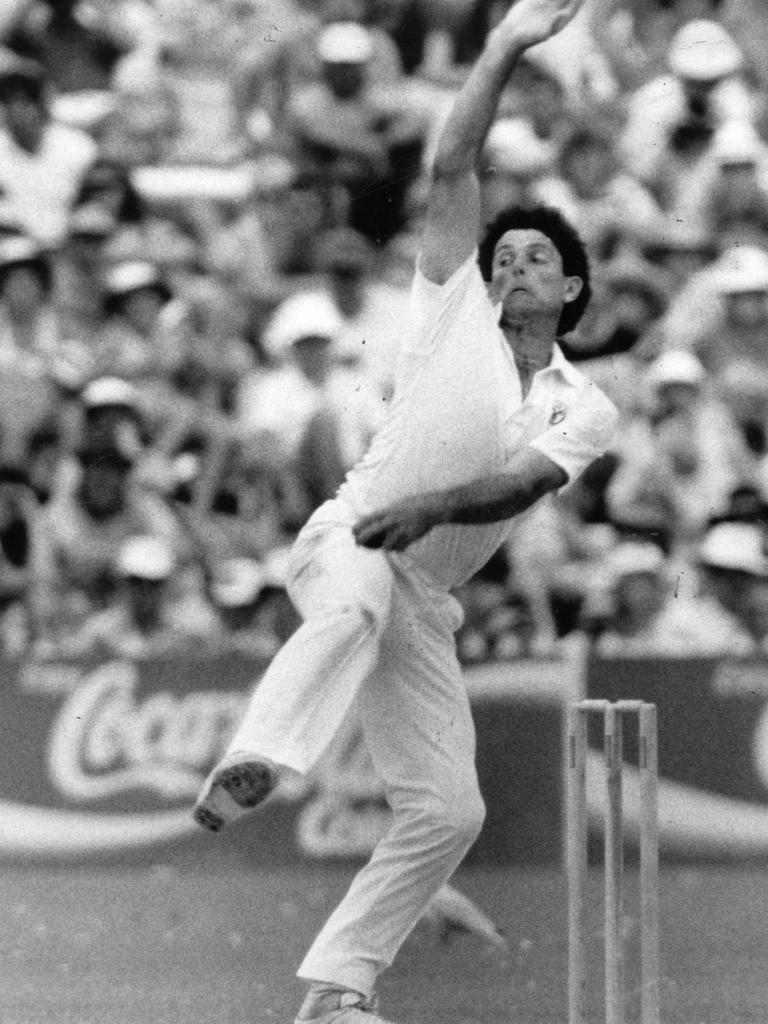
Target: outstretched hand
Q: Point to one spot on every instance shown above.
(533, 21)
(396, 527)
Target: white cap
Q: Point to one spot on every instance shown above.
(304, 315)
(744, 268)
(237, 582)
(632, 558)
(345, 42)
(147, 558)
(513, 147)
(737, 546)
(703, 51)
(131, 276)
(675, 367)
(109, 391)
(19, 249)
(737, 142)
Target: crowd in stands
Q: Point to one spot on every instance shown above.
(209, 216)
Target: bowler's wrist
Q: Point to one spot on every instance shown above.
(506, 40)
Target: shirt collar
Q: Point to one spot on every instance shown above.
(558, 364)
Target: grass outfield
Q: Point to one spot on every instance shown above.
(163, 946)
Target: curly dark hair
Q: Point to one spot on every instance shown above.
(565, 238)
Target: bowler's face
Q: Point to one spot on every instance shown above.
(527, 276)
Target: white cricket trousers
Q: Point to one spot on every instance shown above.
(375, 633)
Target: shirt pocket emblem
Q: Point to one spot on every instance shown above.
(559, 410)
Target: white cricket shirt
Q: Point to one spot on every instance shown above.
(458, 415)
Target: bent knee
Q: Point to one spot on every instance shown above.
(458, 816)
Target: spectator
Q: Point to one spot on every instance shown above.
(638, 594)
(514, 160)
(41, 163)
(621, 335)
(77, 47)
(680, 460)
(112, 416)
(254, 609)
(85, 524)
(731, 561)
(356, 134)
(653, 613)
(732, 322)
(372, 311)
(79, 287)
(267, 76)
(606, 204)
(667, 140)
(131, 344)
(315, 415)
(146, 619)
(263, 247)
(738, 199)
(145, 122)
(28, 321)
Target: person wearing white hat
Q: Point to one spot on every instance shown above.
(147, 617)
(670, 607)
(487, 418)
(738, 198)
(308, 413)
(679, 456)
(671, 122)
(357, 135)
(139, 317)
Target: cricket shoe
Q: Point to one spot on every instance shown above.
(351, 1009)
(238, 783)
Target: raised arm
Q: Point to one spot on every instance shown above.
(453, 213)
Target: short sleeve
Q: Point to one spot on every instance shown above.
(582, 431)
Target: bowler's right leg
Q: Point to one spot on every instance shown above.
(343, 593)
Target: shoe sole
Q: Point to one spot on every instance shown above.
(231, 792)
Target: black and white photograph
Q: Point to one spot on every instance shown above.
(384, 511)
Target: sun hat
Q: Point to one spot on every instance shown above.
(703, 51)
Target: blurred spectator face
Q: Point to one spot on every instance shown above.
(103, 487)
(23, 292)
(589, 167)
(676, 398)
(746, 309)
(86, 250)
(109, 425)
(25, 118)
(639, 597)
(141, 308)
(542, 96)
(345, 80)
(146, 599)
(728, 587)
(313, 357)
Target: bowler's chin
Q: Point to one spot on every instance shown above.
(517, 305)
